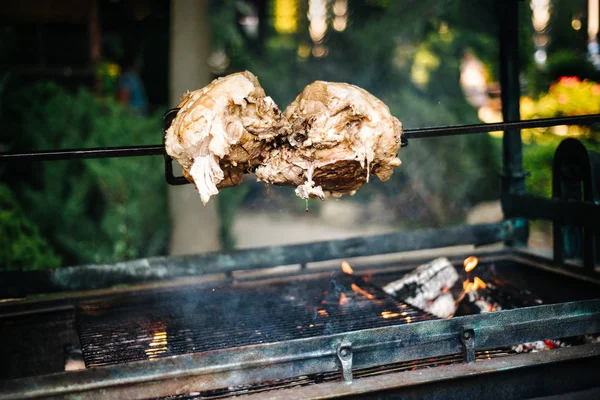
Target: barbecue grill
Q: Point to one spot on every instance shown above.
(226, 324)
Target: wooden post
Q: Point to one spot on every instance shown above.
(194, 227)
(94, 33)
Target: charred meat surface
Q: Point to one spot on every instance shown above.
(223, 131)
(340, 135)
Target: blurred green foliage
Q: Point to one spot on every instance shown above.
(96, 211)
(562, 62)
(565, 85)
(90, 211)
(569, 96)
(440, 178)
(538, 158)
(21, 245)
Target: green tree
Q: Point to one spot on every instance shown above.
(378, 51)
(95, 210)
(21, 245)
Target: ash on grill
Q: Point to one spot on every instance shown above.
(135, 327)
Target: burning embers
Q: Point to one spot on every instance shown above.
(338, 289)
(471, 289)
(434, 288)
(158, 343)
(343, 299)
(470, 263)
(346, 268)
(360, 294)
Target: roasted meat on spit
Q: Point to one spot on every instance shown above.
(223, 131)
(329, 141)
(340, 135)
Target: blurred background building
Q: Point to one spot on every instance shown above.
(63, 65)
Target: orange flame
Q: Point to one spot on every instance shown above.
(343, 299)
(470, 263)
(158, 345)
(389, 314)
(347, 268)
(362, 292)
(477, 284)
(323, 313)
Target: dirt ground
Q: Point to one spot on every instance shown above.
(340, 220)
(254, 229)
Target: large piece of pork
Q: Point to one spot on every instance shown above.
(339, 135)
(223, 131)
(329, 141)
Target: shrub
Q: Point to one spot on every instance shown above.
(21, 245)
(95, 210)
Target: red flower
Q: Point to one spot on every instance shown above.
(569, 81)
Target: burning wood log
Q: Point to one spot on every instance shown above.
(427, 287)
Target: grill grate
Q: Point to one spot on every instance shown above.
(134, 327)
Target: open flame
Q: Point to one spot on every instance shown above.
(362, 292)
(470, 263)
(477, 284)
(471, 286)
(158, 345)
(389, 314)
(347, 268)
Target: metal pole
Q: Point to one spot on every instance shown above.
(419, 133)
(513, 181)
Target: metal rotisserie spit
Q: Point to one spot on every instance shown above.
(345, 318)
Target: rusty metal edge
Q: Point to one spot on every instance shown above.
(404, 264)
(84, 277)
(379, 346)
(396, 380)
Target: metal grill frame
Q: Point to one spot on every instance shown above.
(369, 347)
(380, 346)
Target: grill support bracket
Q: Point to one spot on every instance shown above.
(344, 355)
(467, 338)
